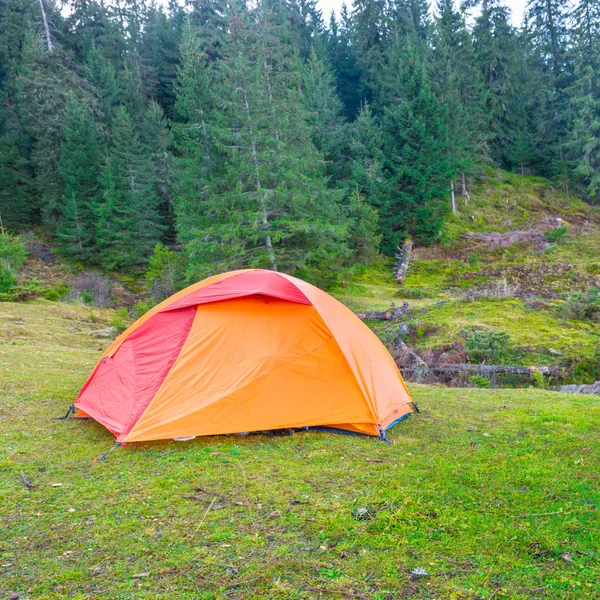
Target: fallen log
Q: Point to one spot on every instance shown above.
(421, 364)
(480, 369)
(394, 312)
(503, 240)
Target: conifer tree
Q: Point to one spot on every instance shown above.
(415, 148)
(457, 83)
(160, 55)
(342, 57)
(128, 226)
(80, 168)
(495, 47)
(367, 157)
(156, 137)
(46, 80)
(324, 114)
(584, 137)
(17, 201)
(265, 203)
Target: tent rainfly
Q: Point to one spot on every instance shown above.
(243, 351)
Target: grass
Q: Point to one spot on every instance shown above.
(537, 330)
(494, 494)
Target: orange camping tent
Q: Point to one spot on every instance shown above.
(245, 351)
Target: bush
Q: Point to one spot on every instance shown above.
(480, 382)
(28, 289)
(140, 308)
(583, 306)
(539, 381)
(93, 288)
(165, 273)
(12, 258)
(556, 235)
(120, 320)
(51, 294)
(86, 297)
(486, 346)
(413, 293)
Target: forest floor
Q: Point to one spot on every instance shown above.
(485, 494)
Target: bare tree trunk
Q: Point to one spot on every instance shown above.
(452, 198)
(261, 193)
(46, 28)
(465, 192)
(403, 261)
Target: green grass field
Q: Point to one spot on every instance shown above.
(492, 493)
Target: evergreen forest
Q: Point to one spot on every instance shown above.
(269, 135)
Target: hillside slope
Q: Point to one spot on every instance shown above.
(462, 285)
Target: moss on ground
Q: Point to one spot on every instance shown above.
(494, 494)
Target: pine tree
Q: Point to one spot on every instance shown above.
(457, 84)
(496, 54)
(80, 168)
(196, 98)
(157, 139)
(265, 202)
(584, 136)
(160, 55)
(415, 147)
(367, 157)
(324, 116)
(371, 36)
(128, 221)
(342, 57)
(17, 201)
(46, 80)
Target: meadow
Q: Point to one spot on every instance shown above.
(485, 494)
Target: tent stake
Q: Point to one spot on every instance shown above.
(103, 457)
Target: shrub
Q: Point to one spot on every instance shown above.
(165, 273)
(539, 380)
(120, 320)
(28, 289)
(480, 382)
(93, 288)
(413, 293)
(556, 235)
(486, 346)
(51, 294)
(140, 308)
(582, 306)
(12, 258)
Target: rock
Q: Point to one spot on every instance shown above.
(110, 332)
(593, 388)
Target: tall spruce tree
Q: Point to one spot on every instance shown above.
(496, 54)
(342, 57)
(129, 225)
(45, 82)
(457, 83)
(81, 169)
(324, 114)
(265, 202)
(157, 139)
(415, 148)
(584, 136)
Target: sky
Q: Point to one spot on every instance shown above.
(516, 7)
